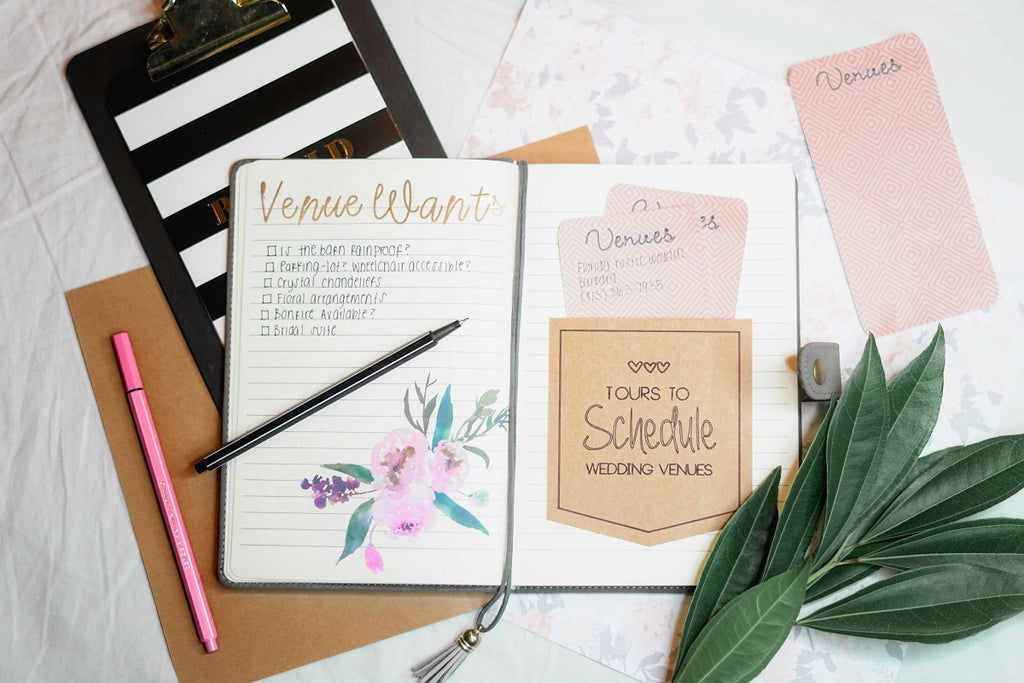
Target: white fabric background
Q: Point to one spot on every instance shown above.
(74, 599)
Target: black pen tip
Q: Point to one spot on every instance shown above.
(443, 332)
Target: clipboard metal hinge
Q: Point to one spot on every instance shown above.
(191, 30)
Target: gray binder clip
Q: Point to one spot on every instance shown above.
(192, 30)
(819, 371)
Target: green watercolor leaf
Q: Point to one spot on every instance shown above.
(500, 418)
(359, 472)
(443, 425)
(478, 451)
(428, 410)
(856, 437)
(408, 413)
(996, 543)
(928, 605)
(742, 638)
(802, 510)
(487, 398)
(457, 513)
(358, 526)
(736, 560)
(952, 484)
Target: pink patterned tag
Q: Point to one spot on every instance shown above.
(680, 261)
(893, 185)
(626, 198)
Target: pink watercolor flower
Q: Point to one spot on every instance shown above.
(405, 513)
(399, 459)
(373, 559)
(449, 466)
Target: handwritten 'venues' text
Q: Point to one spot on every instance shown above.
(840, 78)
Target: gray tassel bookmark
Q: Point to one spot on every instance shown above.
(438, 668)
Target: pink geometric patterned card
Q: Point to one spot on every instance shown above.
(626, 198)
(675, 261)
(893, 185)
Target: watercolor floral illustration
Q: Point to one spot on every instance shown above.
(416, 473)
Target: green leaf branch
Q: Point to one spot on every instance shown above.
(427, 405)
(865, 499)
(483, 419)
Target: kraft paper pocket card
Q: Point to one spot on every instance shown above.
(649, 425)
(893, 185)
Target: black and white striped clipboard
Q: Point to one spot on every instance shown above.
(326, 83)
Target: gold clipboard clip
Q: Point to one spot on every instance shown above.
(192, 30)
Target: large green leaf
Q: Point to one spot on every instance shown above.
(802, 510)
(958, 482)
(996, 543)
(855, 439)
(358, 526)
(921, 472)
(735, 561)
(837, 578)
(929, 605)
(915, 395)
(741, 639)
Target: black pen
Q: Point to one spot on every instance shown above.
(325, 397)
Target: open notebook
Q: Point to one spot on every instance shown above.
(405, 482)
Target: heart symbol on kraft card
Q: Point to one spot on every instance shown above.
(650, 367)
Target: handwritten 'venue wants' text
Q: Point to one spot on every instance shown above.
(387, 205)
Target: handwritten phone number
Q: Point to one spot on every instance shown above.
(613, 292)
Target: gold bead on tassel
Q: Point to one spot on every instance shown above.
(438, 668)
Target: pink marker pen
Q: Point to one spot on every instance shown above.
(165, 491)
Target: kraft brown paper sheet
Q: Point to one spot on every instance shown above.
(260, 632)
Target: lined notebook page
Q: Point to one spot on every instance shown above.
(315, 297)
(551, 554)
